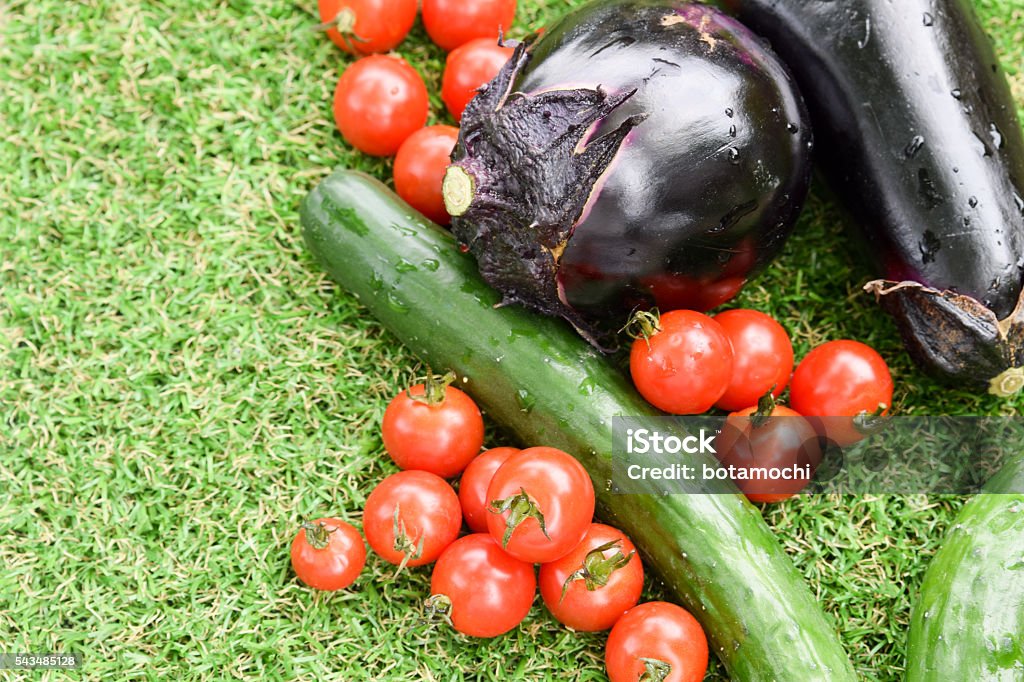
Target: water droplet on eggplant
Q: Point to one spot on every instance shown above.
(927, 19)
(982, 146)
(973, 202)
(997, 137)
(734, 156)
(914, 147)
(732, 131)
(431, 265)
(957, 94)
(729, 112)
(404, 266)
(792, 128)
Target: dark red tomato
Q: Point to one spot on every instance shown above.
(841, 379)
(365, 26)
(762, 357)
(473, 486)
(593, 585)
(425, 431)
(411, 517)
(784, 442)
(679, 292)
(684, 366)
(419, 170)
(379, 102)
(468, 67)
(540, 502)
(328, 554)
(451, 23)
(657, 635)
(484, 591)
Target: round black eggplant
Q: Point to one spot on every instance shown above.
(640, 152)
(918, 134)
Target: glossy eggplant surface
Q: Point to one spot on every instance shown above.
(640, 152)
(918, 134)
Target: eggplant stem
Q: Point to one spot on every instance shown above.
(1007, 384)
(458, 190)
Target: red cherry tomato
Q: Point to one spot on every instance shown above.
(781, 442)
(660, 633)
(685, 365)
(451, 23)
(540, 486)
(473, 486)
(379, 102)
(762, 357)
(484, 591)
(429, 433)
(366, 26)
(468, 67)
(328, 554)
(841, 379)
(419, 170)
(411, 517)
(593, 585)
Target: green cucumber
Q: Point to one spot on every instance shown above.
(536, 376)
(968, 623)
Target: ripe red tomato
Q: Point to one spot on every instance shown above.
(841, 379)
(685, 365)
(541, 502)
(419, 170)
(467, 68)
(411, 517)
(379, 102)
(451, 23)
(762, 357)
(328, 554)
(661, 633)
(594, 584)
(430, 430)
(481, 589)
(781, 441)
(366, 26)
(473, 486)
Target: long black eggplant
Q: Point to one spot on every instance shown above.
(640, 152)
(918, 134)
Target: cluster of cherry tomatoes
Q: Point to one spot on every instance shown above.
(522, 508)
(381, 102)
(685, 362)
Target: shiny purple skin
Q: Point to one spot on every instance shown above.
(639, 153)
(918, 135)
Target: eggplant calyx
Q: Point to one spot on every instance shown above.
(523, 172)
(956, 335)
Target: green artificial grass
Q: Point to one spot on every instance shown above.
(180, 384)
